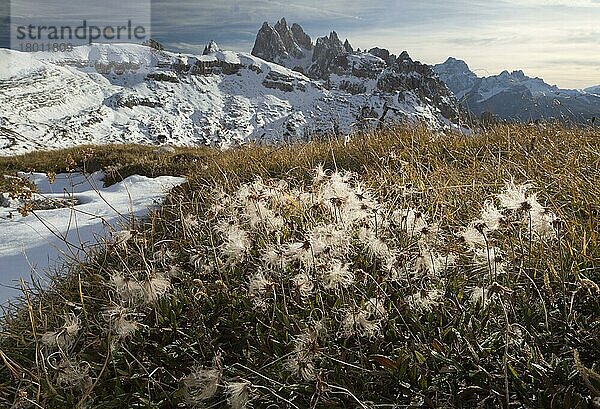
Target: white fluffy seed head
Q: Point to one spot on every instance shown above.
(304, 284)
(127, 288)
(514, 196)
(203, 382)
(337, 275)
(238, 394)
(259, 285)
(491, 216)
(72, 374)
(156, 287)
(64, 337)
(474, 236)
(426, 300)
(121, 322)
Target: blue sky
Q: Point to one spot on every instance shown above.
(558, 40)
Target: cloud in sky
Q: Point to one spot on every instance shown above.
(4, 24)
(567, 3)
(558, 40)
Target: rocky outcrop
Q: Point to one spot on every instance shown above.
(420, 80)
(268, 44)
(348, 47)
(130, 99)
(282, 82)
(301, 38)
(290, 44)
(328, 57)
(341, 68)
(457, 76)
(211, 48)
(353, 88)
(404, 57)
(381, 53)
(294, 49)
(213, 61)
(280, 43)
(163, 77)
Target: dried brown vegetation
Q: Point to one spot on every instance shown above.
(190, 312)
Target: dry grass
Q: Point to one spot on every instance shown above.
(196, 324)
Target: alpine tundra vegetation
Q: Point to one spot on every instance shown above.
(402, 268)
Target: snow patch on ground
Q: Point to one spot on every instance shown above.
(30, 246)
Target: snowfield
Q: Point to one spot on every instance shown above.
(103, 94)
(31, 246)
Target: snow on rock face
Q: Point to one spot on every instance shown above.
(133, 94)
(211, 48)
(340, 68)
(29, 245)
(457, 76)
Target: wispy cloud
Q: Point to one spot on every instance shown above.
(555, 39)
(564, 3)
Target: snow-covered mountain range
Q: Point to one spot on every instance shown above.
(515, 96)
(374, 72)
(131, 93)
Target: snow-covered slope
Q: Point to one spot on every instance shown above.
(128, 93)
(515, 96)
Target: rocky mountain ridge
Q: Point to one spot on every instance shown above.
(283, 45)
(515, 96)
(341, 68)
(135, 94)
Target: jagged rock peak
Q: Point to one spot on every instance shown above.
(519, 74)
(404, 57)
(457, 76)
(348, 47)
(326, 55)
(281, 42)
(341, 68)
(331, 42)
(456, 64)
(452, 60)
(301, 37)
(282, 29)
(453, 67)
(268, 44)
(281, 24)
(211, 48)
(380, 52)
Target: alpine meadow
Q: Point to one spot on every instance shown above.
(303, 225)
(401, 268)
